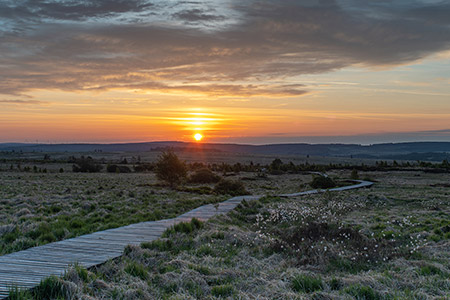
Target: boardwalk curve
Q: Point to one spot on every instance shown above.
(26, 269)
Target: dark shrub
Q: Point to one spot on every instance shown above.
(275, 167)
(354, 175)
(144, 167)
(111, 168)
(230, 187)
(118, 169)
(322, 182)
(86, 165)
(204, 176)
(170, 168)
(202, 190)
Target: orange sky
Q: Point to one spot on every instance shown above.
(258, 73)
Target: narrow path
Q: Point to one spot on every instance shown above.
(26, 269)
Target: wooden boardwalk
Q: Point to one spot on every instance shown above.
(26, 269)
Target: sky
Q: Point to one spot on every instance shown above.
(317, 71)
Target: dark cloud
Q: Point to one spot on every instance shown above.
(271, 41)
(439, 14)
(195, 15)
(23, 102)
(70, 9)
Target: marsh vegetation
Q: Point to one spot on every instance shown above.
(388, 242)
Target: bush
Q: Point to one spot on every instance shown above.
(144, 167)
(204, 175)
(354, 174)
(322, 182)
(117, 169)
(86, 165)
(307, 284)
(230, 187)
(170, 168)
(202, 190)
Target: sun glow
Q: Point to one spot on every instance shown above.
(198, 137)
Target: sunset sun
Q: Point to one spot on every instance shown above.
(198, 137)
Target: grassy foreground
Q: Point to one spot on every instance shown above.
(388, 242)
(40, 208)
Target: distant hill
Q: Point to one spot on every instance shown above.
(411, 151)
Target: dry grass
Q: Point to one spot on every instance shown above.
(38, 208)
(388, 242)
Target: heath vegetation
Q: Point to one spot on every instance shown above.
(388, 242)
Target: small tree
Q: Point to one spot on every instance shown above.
(354, 174)
(170, 168)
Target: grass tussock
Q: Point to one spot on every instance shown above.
(307, 284)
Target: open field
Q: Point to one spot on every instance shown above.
(38, 208)
(189, 156)
(388, 242)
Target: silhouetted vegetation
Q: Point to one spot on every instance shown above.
(146, 167)
(230, 187)
(118, 169)
(276, 167)
(204, 175)
(86, 165)
(322, 182)
(170, 169)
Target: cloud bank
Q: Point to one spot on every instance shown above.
(215, 48)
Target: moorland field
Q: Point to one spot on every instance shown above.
(391, 241)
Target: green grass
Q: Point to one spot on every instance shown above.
(360, 292)
(49, 288)
(184, 227)
(225, 290)
(82, 273)
(205, 250)
(430, 270)
(68, 205)
(335, 284)
(307, 283)
(254, 250)
(16, 293)
(135, 269)
(160, 245)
